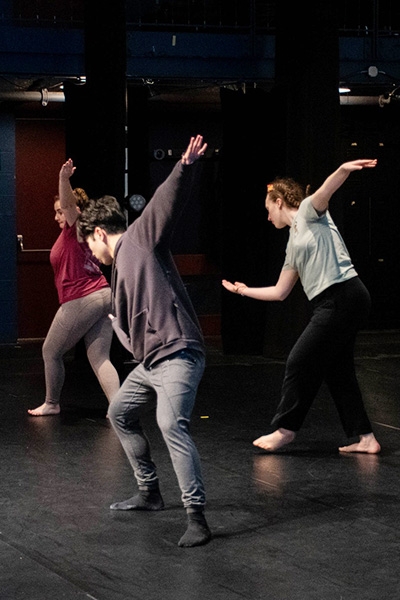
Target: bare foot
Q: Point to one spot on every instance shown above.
(275, 440)
(45, 410)
(367, 444)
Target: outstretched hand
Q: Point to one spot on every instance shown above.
(194, 151)
(362, 163)
(235, 288)
(67, 169)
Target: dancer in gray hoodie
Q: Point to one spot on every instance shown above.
(155, 320)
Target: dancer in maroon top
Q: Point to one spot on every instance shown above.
(85, 301)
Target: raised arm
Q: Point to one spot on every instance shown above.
(157, 221)
(320, 199)
(65, 192)
(280, 291)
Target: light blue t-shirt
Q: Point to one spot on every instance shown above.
(316, 250)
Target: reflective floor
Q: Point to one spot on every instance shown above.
(303, 524)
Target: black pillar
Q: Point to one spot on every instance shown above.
(292, 131)
(138, 146)
(96, 111)
(307, 77)
(307, 73)
(245, 170)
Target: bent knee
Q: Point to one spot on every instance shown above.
(120, 417)
(172, 428)
(51, 352)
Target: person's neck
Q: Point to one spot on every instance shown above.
(112, 242)
(290, 215)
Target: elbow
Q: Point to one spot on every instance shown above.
(281, 296)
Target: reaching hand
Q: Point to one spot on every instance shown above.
(195, 150)
(67, 169)
(235, 288)
(357, 165)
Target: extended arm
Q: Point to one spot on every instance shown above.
(66, 194)
(159, 218)
(320, 199)
(279, 291)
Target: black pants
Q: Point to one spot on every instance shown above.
(325, 352)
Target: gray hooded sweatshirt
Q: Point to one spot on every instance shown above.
(154, 315)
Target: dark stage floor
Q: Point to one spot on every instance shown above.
(304, 524)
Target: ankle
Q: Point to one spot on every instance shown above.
(196, 514)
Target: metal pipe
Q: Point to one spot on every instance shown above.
(360, 100)
(42, 96)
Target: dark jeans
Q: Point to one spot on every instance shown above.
(325, 352)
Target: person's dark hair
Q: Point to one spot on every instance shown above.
(291, 192)
(105, 212)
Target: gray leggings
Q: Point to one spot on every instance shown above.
(86, 318)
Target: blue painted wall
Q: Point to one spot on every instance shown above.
(8, 234)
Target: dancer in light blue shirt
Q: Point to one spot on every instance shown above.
(316, 254)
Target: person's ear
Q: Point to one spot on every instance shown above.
(98, 234)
